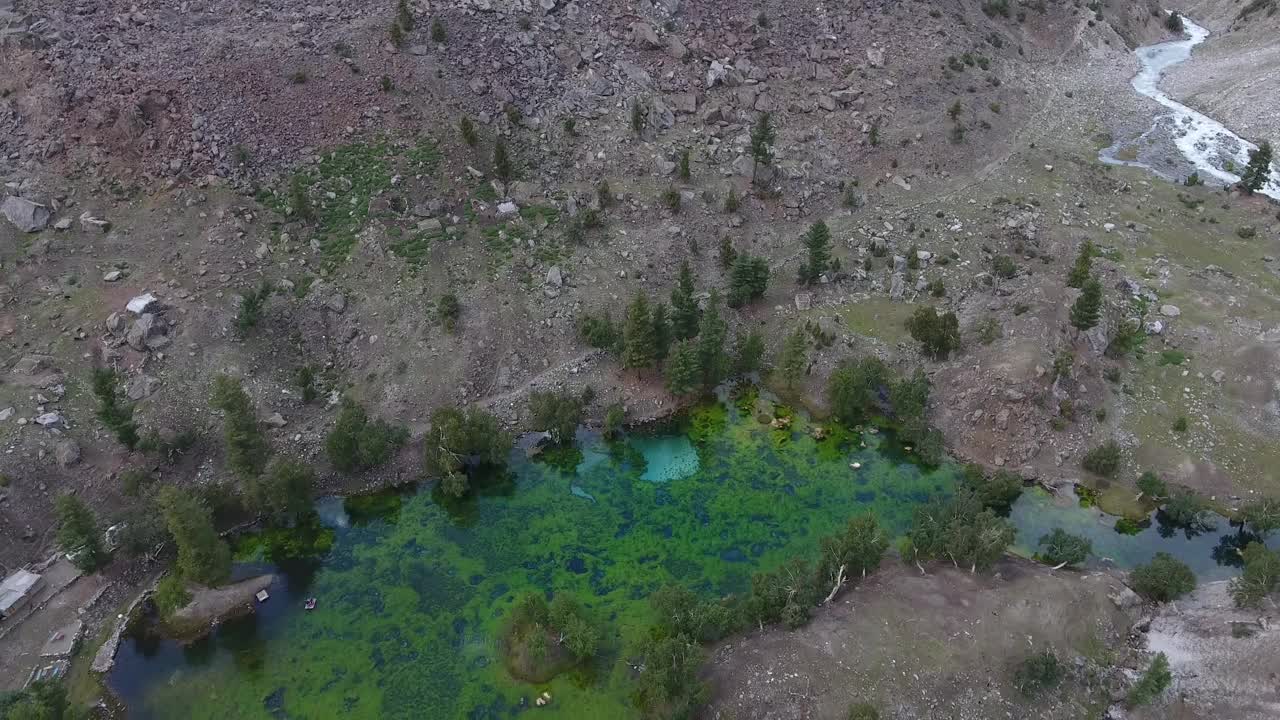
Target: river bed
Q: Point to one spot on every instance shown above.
(1216, 153)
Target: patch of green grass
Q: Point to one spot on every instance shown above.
(882, 319)
(1172, 357)
(413, 247)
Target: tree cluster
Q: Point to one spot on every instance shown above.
(541, 640)
(862, 389)
(357, 443)
(116, 414)
(960, 529)
(558, 413)
(459, 441)
(938, 334)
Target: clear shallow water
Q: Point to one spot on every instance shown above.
(412, 593)
(1206, 143)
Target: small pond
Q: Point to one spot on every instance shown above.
(412, 591)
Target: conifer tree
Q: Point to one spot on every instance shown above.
(684, 308)
(78, 533)
(684, 367)
(748, 279)
(1083, 266)
(1088, 307)
(1258, 171)
(661, 332)
(246, 445)
(762, 137)
(795, 356)
(639, 346)
(818, 244)
(203, 557)
(712, 333)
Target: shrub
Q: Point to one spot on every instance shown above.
(468, 131)
(171, 595)
(1180, 425)
(938, 334)
(502, 167)
(251, 304)
(1103, 460)
(1260, 516)
(731, 201)
(1151, 486)
(438, 34)
(1038, 673)
(283, 492)
(684, 166)
(447, 311)
(671, 199)
(1164, 579)
(959, 529)
(246, 445)
(1153, 682)
(998, 491)
(599, 331)
(1062, 548)
(1003, 266)
(112, 412)
(357, 443)
(863, 711)
(78, 534)
(1260, 578)
(1173, 23)
(638, 112)
(559, 413)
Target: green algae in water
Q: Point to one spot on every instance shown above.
(413, 592)
(666, 458)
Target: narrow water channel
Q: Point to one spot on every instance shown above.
(1215, 151)
(412, 591)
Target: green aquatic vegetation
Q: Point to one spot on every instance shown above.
(414, 590)
(1129, 526)
(1087, 495)
(308, 539)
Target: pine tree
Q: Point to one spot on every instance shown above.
(684, 308)
(202, 556)
(639, 346)
(684, 166)
(748, 353)
(1088, 307)
(502, 162)
(1083, 266)
(712, 332)
(795, 356)
(762, 137)
(661, 332)
(748, 279)
(284, 491)
(246, 446)
(727, 253)
(684, 368)
(1258, 171)
(78, 533)
(818, 243)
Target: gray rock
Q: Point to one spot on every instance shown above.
(875, 57)
(63, 224)
(49, 419)
(686, 103)
(1218, 375)
(26, 215)
(676, 49)
(898, 286)
(899, 264)
(90, 223)
(115, 323)
(643, 35)
(554, 277)
(276, 420)
(1170, 310)
(112, 276)
(142, 304)
(31, 365)
(826, 102)
(430, 225)
(141, 387)
(337, 303)
(803, 301)
(663, 167)
(67, 452)
(145, 331)
(6, 413)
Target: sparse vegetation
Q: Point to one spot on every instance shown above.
(1038, 673)
(502, 166)
(246, 446)
(78, 533)
(438, 34)
(113, 412)
(448, 310)
(251, 304)
(468, 131)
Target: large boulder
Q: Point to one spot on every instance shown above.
(25, 215)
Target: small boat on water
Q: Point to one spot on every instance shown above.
(310, 604)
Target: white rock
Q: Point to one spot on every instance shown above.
(508, 208)
(49, 419)
(141, 304)
(112, 276)
(1170, 310)
(1109, 227)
